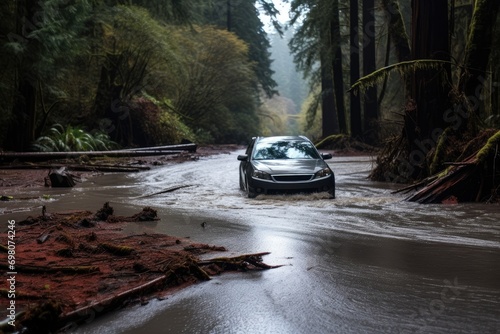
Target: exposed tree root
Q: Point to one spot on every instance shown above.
(475, 179)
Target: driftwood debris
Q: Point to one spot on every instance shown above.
(83, 271)
(168, 190)
(241, 262)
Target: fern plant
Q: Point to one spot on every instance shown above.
(60, 139)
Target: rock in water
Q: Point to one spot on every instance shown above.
(61, 178)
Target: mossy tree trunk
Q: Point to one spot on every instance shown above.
(477, 55)
(424, 121)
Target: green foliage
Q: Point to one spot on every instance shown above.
(490, 149)
(214, 86)
(154, 125)
(87, 62)
(71, 138)
(242, 18)
(310, 119)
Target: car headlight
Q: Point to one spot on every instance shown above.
(258, 174)
(323, 173)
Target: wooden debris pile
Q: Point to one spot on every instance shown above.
(74, 265)
(473, 179)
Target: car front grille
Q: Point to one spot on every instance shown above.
(293, 178)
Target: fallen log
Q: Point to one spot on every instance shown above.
(130, 152)
(44, 156)
(181, 147)
(81, 168)
(82, 314)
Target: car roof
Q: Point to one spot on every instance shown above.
(281, 138)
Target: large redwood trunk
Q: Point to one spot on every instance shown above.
(424, 120)
(22, 131)
(369, 66)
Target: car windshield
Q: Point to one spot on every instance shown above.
(295, 149)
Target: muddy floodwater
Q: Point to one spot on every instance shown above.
(365, 262)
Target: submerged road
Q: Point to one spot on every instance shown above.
(365, 262)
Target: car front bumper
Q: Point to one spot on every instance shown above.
(260, 186)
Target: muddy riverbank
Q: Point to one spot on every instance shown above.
(66, 266)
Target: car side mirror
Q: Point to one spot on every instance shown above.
(326, 156)
(243, 157)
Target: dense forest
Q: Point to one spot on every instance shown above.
(417, 78)
(89, 74)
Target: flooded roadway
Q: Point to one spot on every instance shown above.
(366, 262)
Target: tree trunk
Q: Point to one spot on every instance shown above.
(477, 53)
(369, 66)
(355, 101)
(424, 120)
(397, 30)
(330, 123)
(22, 131)
(109, 105)
(338, 77)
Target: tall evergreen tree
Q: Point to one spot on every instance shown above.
(355, 101)
(44, 36)
(477, 54)
(317, 40)
(338, 70)
(242, 18)
(424, 119)
(369, 65)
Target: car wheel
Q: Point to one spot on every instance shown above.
(250, 192)
(332, 192)
(242, 185)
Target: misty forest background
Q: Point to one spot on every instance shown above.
(409, 76)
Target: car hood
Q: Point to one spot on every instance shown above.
(290, 166)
